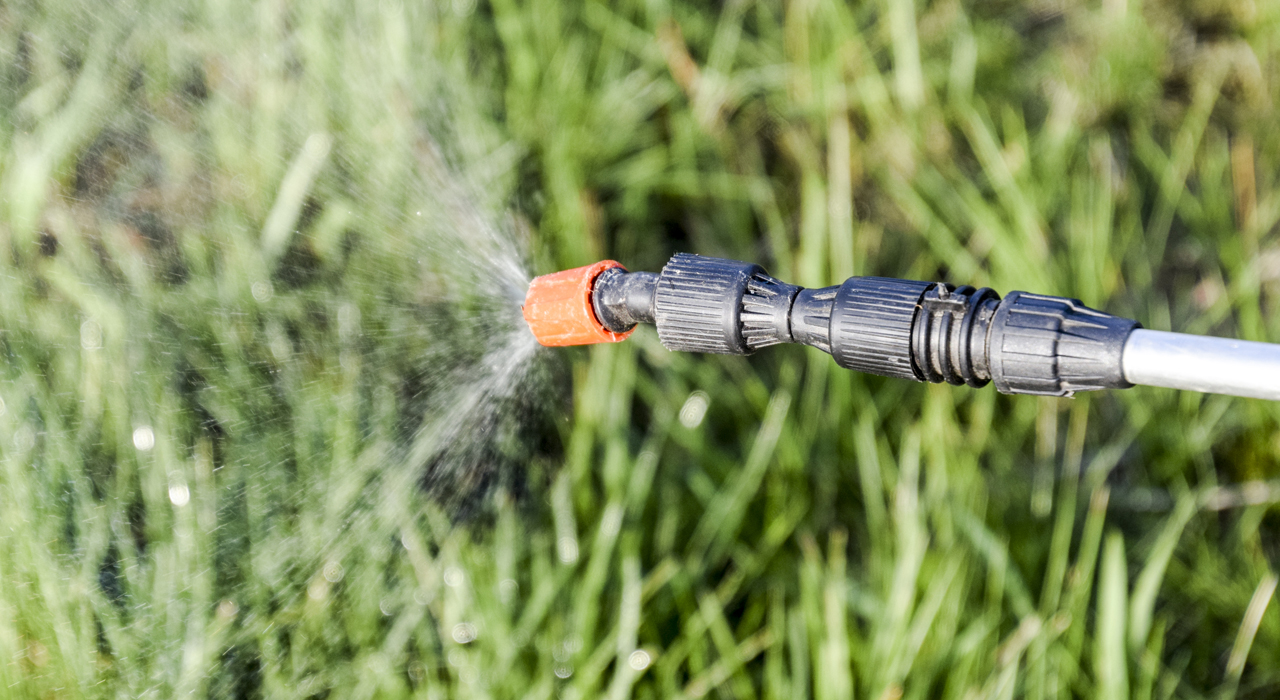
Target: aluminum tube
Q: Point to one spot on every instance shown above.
(1202, 363)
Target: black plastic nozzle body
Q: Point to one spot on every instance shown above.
(926, 331)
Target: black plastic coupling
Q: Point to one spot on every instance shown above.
(1054, 346)
(706, 304)
(934, 332)
(871, 325)
(949, 336)
(926, 331)
(622, 299)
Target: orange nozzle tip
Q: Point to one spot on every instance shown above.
(558, 308)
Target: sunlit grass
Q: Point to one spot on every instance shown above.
(225, 314)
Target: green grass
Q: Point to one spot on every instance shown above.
(210, 230)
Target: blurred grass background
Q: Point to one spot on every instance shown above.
(221, 323)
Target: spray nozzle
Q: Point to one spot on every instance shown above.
(558, 307)
(926, 331)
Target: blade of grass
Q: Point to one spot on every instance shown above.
(1245, 635)
(1110, 658)
(1147, 586)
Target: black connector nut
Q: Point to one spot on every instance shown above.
(871, 321)
(1054, 346)
(721, 306)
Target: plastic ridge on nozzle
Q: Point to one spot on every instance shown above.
(926, 331)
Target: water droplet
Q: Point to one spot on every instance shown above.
(694, 410)
(564, 651)
(144, 438)
(464, 633)
(386, 606)
(262, 290)
(639, 660)
(317, 145)
(453, 577)
(333, 572)
(507, 589)
(179, 494)
(563, 670)
(227, 609)
(90, 335)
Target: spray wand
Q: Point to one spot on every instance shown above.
(926, 331)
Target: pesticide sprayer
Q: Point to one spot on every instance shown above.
(926, 331)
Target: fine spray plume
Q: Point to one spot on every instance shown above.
(480, 410)
(1023, 343)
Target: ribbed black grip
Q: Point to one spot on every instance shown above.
(926, 331)
(871, 322)
(698, 304)
(1054, 346)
